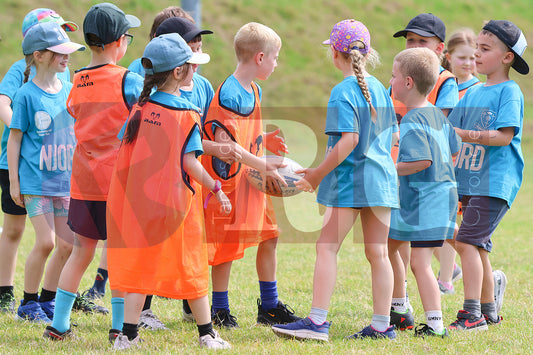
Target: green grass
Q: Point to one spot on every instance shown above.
(303, 79)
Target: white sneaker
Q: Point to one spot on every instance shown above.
(215, 343)
(122, 342)
(188, 317)
(149, 321)
(500, 282)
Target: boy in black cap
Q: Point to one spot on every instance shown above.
(490, 165)
(100, 100)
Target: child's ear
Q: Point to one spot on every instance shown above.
(440, 48)
(508, 58)
(259, 58)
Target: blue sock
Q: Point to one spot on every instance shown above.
(220, 301)
(117, 311)
(269, 294)
(100, 280)
(64, 302)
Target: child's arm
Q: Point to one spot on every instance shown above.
(194, 169)
(496, 137)
(412, 167)
(229, 152)
(5, 110)
(13, 155)
(313, 176)
(274, 143)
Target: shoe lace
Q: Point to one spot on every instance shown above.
(85, 302)
(421, 329)
(224, 315)
(286, 308)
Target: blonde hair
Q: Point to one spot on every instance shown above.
(253, 38)
(422, 65)
(463, 36)
(169, 12)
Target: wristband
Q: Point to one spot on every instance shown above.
(218, 186)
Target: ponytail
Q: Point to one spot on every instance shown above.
(357, 66)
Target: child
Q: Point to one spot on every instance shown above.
(235, 112)
(14, 215)
(40, 148)
(356, 177)
(168, 219)
(100, 100)
(427, 180)
(489, 120)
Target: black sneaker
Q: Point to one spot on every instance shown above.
(223, 318)
(402, 321)
(423, 330)
(85, 305)
(8, 303)
(113, 334)
(53, 334)
(282, 314)
(490, 321)
(467, 321)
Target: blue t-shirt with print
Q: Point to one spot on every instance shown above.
(482, 170)
(428, 199)
(48, 140)
(367, 177)
(11, 82)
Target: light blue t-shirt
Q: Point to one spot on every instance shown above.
(428, 199)
(468, 84)
(448, 94)
(48, 142)
(234, 96)
(483, 170)
(137, 67)
(367, 177)
(11, 82)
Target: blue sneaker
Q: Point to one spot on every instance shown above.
(369, 332)
(303, 329)
(32, 312)
(48, 308)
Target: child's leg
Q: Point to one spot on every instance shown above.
(488, 304)
(208, 337)
(398, 267)
(425, 279)
(64, 241)
(472, 269)
(133, 304)
(97, 290)
(200, 310)
(220, 279)
(266, 265)
(13, 228)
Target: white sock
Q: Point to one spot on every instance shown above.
(318, 315)
(380, 323)
(434, 321)
(399, 305)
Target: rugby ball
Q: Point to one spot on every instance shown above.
(256, 180)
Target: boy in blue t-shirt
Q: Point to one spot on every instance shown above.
(490, 165)
(427, 184)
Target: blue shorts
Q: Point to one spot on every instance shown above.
(481, 216)
(88, 218)
(39, 205)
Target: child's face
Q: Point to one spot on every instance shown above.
(57, 63)
(490, 54)
(416, 41)
(268, 63)
(196, 47)
(398, 83)
(462, 61)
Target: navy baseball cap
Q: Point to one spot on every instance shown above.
(425, 25)
(169, 51)
(107, 22)
(513, 38)
(181, 26)
(50, 36)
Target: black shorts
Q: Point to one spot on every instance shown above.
(481, 216)
(427, 243)
(8, 205)
(88, 218)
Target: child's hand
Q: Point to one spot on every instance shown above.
(309, 182)
(225, 204)
(228, 152)
(14, 190)
(275, 143)
(272, 176)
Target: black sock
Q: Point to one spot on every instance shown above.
(7, 289)
(206, 329)
(147, 302)
(130, 330)
(47, 295)
(30, 297)
(186, 307)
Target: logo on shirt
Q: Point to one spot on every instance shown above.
(154, 119)
(42, 120)
(486, 120)
(85, 81)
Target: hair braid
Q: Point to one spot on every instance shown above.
(29, 63)
(357, 66)
(135, 120)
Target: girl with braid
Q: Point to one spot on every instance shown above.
(357, 177)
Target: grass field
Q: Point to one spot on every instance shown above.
(300, 84)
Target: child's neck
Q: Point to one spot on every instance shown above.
(102, 58)
(497, 77)
(47, 81)
(245, 75)
(415, 101)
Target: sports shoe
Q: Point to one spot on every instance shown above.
(500, 282)
(402, 321)
(113, 334)
(82, 303)
(457, 273)
(8, 303)
(93, 294)
(148, 320)
(467, 321)
(53, 334)
(215, 342)
(369, 332)
(490, 321)
(423, 330)
(122, 342)
(223, 318)
(445, 289)
(32, 312)
(303, 329)
(187, 313)
(48, 308)
(282, 314)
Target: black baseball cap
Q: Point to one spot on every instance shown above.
(425, 25)
(107, 22)
(185, 28)
(513, 38)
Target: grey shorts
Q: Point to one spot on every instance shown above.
(481, 216)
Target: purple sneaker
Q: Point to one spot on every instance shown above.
(369, 332)
(303, 329)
